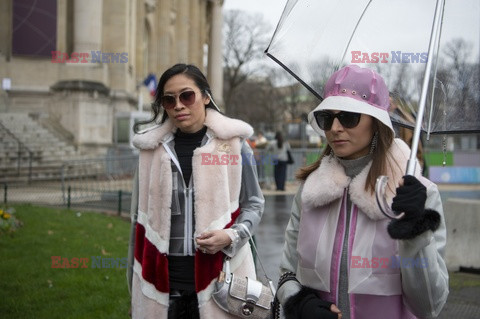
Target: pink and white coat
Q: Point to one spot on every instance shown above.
(217, 189)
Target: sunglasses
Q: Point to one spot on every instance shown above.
(170, 101)
(347, 119)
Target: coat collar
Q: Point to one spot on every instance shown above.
(219, 126)
(328, 182)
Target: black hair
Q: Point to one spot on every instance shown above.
(279, 138)
(189, 70)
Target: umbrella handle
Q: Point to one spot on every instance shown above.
(380, 187)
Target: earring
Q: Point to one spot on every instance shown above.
(213, 102)
(331, 155)
(373, 145)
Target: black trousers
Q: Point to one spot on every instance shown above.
(183, 305)
(280, 172)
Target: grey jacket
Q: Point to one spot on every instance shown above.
(279, 154)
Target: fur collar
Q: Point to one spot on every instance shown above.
(219, 126)
(328, 182)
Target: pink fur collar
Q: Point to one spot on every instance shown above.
(327, 183)
(219, 125)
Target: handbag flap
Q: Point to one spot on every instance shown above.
(238, 290)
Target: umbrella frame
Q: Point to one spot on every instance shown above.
(434, 39)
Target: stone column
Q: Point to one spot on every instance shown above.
(62, 22)
(6, 29)
(215, 69)
(195, 35)
(152, 43)
(164, 18)
(87, 25)
(204, 34)
(181, 35)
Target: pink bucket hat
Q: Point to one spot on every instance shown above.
(358, 90)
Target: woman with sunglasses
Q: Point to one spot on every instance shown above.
(191, 194)
(342, 257)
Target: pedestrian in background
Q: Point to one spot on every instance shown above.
(260, 157)
(342, 257)
(278, 149)
(261, 140)
(186, 207)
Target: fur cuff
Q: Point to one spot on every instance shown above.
(412, 227)
(293, 305)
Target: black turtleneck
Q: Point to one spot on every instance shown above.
(185, 144)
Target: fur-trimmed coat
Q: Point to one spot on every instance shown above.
(217, 191)
(314, 238)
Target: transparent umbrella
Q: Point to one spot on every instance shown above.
(427, 51)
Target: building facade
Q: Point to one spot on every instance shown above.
(81, 62)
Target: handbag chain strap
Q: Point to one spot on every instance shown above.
(270, 283)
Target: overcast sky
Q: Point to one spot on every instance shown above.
(271, 9)
(461, 20)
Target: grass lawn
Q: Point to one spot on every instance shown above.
(31, 288)
(459, 280)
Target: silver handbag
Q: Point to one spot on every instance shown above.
(242, 296)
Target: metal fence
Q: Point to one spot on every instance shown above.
(15, 158)
(106, 183)
(301, 157)
(97, 183)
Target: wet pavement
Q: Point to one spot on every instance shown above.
(463, 301)
(269, 236)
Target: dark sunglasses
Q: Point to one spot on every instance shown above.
(347, 119)
(169, 101)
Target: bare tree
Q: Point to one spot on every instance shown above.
(245, 38)
(258, 102)
(254, 89)
(459, 73)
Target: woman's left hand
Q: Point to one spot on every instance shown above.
(410, 198)
(213, 241)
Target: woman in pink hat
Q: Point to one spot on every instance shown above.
(342, 257)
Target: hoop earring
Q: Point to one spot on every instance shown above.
(331, 155)
(213, 102)
(374, 142)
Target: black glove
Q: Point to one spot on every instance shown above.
(306, 305)
(410, 199)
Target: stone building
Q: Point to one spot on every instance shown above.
(77, 64)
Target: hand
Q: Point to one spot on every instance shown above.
(410, 199)
(316, 308)
(307, 305)
(213, 241)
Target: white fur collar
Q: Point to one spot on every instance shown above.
(220, 126)
(327, 183)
